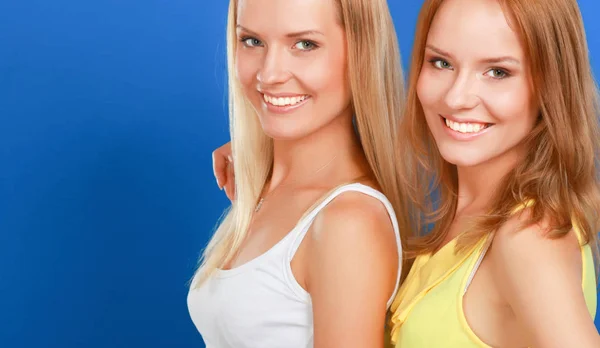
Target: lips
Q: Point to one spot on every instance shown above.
(466, 127)
(284, 101)
(464, 130)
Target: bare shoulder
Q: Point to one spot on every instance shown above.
(516, 242)
(354, 214)
(354, 231)
(352, 270)
(540, 278)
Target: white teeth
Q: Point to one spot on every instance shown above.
(465, 127)
(287, 101)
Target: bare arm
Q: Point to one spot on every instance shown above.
(353, 263)
(540, 279)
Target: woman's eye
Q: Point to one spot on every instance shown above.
(441, 64)
(497, 73)
(251, 42)
(305, 45)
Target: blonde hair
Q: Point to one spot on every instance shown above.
(559, 173)
(375, 77)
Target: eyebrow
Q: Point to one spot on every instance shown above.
(493, 60)
(290, 35)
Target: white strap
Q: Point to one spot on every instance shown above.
(477, 264)
(304, 225)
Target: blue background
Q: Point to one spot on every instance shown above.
(109, 112)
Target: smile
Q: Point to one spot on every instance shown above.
(284, 101)
(466, 127)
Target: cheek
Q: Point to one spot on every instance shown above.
(422, 92)
(246, 67)
(430, 90)
(513, 106)
(339, 70)
(327, 75)
(324, 75)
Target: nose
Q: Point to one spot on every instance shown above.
(463, 93)
(275, 69)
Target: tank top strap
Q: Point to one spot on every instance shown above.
(480, 253)
(304, 224)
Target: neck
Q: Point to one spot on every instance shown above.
(478, 184)
(334, 146)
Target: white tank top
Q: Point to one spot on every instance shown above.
(260, 304)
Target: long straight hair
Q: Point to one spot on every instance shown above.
(375, 76)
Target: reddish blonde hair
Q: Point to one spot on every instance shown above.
(560, 172)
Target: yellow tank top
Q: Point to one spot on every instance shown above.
(428, 310)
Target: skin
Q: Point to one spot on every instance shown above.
(475, 69)
(348, 261)
(527, 291)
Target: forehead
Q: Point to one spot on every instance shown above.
(474, 29)
(285, 16)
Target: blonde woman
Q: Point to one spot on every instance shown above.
(309, 254)
(502, 118)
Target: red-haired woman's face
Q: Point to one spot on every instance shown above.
(474, 85)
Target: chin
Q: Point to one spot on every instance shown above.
(282, 133)
(461, 160)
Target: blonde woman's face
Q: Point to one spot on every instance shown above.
(291, 62)
(474, 85)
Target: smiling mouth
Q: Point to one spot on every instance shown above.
(284, 101)
(466, 127)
